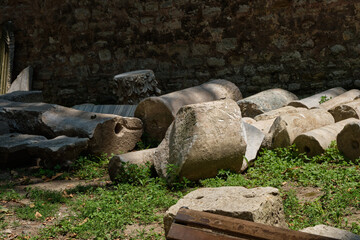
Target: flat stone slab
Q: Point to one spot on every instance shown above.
(60, 150)
(121, 110)
(13, 149)
(23, 96)
(261, 205)
(62, 185)
(332, 232)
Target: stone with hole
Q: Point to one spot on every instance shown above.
(107, 133)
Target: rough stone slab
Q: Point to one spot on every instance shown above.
(332, 232)
(348, 140)
(260, 205)
(157, 113)
(139, 158)
(61, 150)
(23, 81)
(278, 112)
(254, 139)
(346, 97)
(132, 87)
(316, 141)
(23, 96)
(121, 110)
(314, 100)
(13, 152)
(346, 110)
(287, 127)
(107, 133)
(205, 138)
(265, 101)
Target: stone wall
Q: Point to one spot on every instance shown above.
(76, 47)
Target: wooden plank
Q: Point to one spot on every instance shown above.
(181, 232)
(240, 228)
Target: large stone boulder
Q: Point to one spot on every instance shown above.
(315, 100)
(348, 140)
(157, 113)
(107, 133)
(265, 101)
(287, 127)
(346, 97)
(346, 110)
(260, 205)
(61, 150)
(317, 140)
(331, 232)
(203, 139)
(140, 158)
(13, 149)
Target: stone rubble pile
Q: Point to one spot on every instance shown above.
(204, 137)
(202, 129)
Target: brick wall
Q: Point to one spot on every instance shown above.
(76, 47)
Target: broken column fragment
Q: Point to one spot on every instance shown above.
(265, 101)
(205, 138)
(132, 87)
(157, 113)
(348, 140)
(315, 100)
(13, 149)
(346, 110)
(140, 158)
(61, 150)
(316, 141)
(254, 139)
(287, 127)
(107, 133)
(346, 97)
(278, 112)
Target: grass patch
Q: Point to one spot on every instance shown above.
(45, 204)
(338, 178)
(141, 198)
(90, 167)
(104, 213)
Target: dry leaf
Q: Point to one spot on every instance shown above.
(85, 220)
(32, 205)
(38, 215)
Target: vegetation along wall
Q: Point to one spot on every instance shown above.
(76, 47)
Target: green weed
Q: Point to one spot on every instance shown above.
(45, 204)
(90, 167)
